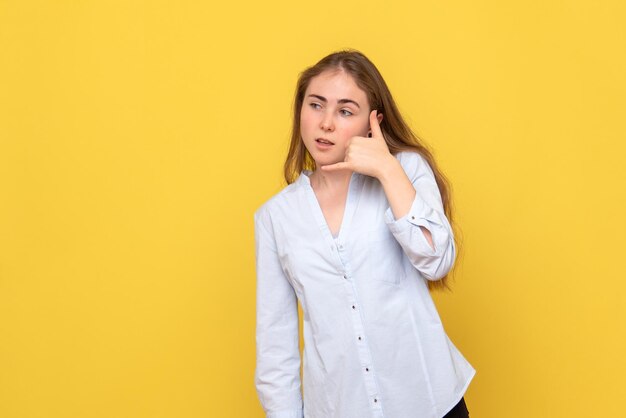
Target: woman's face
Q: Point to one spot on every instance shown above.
(334, 110)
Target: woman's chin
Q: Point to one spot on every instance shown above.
(326, 161)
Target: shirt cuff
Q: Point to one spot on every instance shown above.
(404, 228)
(417, 216)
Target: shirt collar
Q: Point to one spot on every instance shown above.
(303, 179)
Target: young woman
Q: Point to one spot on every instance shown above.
(358, 237)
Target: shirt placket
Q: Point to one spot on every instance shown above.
(356, 317)
(365, 358)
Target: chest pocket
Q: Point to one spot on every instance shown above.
(383, 256)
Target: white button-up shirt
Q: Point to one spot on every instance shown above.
(374, 344)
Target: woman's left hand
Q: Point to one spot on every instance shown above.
(364, 155)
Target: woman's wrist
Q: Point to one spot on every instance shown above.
(389, 169)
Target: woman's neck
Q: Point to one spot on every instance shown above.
(330, 181)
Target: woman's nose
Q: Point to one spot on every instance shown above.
(327, 123)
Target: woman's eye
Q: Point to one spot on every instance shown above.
(346, 112)
(315, 105)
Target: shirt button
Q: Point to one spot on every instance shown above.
(375, 400)
(340, 247)
(345, 277)
(353, 307)
(413, 217)
(359, 338)
(367, 369)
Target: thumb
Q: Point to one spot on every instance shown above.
(375, 125)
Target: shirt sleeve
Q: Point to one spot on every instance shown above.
(277, 373)
(427, 211)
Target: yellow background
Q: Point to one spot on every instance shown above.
(138, 137)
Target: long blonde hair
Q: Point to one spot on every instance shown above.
(398, 135)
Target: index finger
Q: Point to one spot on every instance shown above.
(374, 126)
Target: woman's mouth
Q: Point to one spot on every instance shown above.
(323, 141)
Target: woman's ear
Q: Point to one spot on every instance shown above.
(379, 116)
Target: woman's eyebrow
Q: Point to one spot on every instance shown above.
(323, 99)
